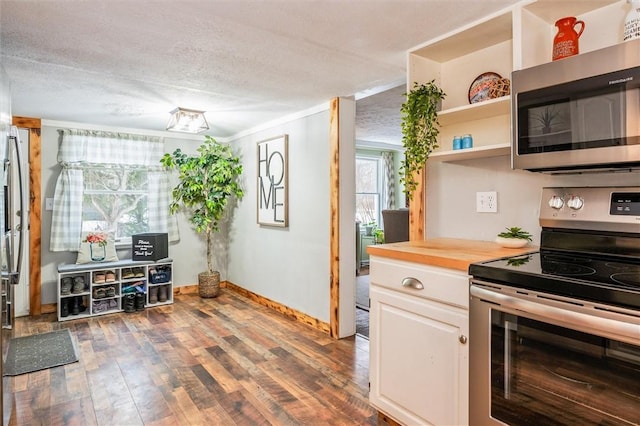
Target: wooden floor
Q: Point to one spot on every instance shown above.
(226, 361)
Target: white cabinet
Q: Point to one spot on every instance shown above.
(518, 37)
(419, 370)
(91, 289)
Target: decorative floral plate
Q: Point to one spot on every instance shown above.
(479, 89)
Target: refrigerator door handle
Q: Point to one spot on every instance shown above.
(15, 268)
(20, 228)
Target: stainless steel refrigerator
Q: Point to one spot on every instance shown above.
(12, 242)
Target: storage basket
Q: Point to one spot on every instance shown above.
(208, 284)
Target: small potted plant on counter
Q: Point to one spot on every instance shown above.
(514, 237)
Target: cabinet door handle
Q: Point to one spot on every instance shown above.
(413, 283)
(463, 339)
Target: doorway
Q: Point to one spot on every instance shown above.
(378, 154)
(369, 197)
(375, 173)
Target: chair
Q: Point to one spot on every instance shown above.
(395, 225)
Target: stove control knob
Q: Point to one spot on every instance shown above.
(575, 202)
(556, 202)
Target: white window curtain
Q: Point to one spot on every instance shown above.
(82, 149)
(390, 180)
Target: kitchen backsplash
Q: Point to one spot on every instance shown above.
(451, 196)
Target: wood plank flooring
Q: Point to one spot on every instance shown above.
(226, 361)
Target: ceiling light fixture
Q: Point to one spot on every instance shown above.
(188, 121)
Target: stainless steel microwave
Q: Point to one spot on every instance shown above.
(578, 114)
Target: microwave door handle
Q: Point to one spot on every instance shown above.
(619, 330)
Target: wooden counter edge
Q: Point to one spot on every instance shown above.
(416, 255)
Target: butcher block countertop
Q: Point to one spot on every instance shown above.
(446, 252)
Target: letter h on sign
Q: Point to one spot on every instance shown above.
(272, 182)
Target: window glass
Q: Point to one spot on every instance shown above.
(115, 201)
(368, 189)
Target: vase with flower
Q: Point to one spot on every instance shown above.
(97, 246)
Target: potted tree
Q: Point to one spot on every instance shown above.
(206, 183)
(420, 131)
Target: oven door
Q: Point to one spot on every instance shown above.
(543, 359)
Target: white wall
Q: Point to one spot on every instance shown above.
(451, 196)
(288, 265)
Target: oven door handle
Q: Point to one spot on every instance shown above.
(612, 328)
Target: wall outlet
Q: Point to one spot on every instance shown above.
(48, 204)
(487, 202)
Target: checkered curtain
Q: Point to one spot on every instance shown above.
(81, 149)
(389, 180)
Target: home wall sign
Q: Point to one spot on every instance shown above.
(273, 182)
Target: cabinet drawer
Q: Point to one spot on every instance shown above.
(440, 284)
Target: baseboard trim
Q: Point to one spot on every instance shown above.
(51, 308)
(186, 289)
(383, 419)
(279, 307)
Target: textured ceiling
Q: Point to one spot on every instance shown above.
(128, 63)
(378, 117)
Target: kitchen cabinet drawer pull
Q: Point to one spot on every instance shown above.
(413, 283)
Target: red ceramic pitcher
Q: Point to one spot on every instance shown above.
(565, 43)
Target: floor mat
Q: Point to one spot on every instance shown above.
(39, 351)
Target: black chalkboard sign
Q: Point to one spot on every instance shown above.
(150, 246)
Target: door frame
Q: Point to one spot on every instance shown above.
(342, 241)
(34, 248)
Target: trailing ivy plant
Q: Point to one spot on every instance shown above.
(419, 130)
(206, 182)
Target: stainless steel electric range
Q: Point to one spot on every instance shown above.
(555, 335)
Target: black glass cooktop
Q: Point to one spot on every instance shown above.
(582, 277)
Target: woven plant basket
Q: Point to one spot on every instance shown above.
(209, 284)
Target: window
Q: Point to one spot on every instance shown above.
(368, 189)
(111, 182)
(115, 200)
